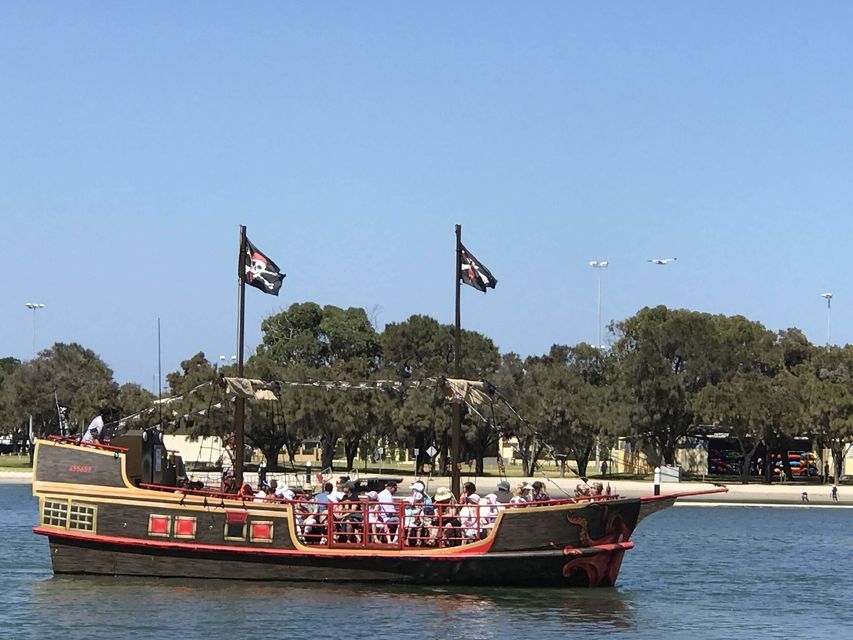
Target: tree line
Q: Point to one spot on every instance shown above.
(670, 374)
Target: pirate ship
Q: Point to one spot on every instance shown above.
(124, 509)
(117, 510)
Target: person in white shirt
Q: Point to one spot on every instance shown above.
(388, 510)
(93, 431)
(338, 494)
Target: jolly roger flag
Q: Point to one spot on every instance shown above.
(473, 272)
(259, 271)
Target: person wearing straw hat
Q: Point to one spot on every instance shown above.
(443, 495)
(522, 494)
(444, 524)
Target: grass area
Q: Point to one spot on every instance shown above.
(15, 463)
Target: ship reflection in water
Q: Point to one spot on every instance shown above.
(207, 608)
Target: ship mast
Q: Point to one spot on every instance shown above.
(240, 402)
(456, 428)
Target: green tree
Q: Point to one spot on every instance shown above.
(421, 348)
(828, 400)
(324, 344)
(753, 408)
(414, 351)
(7, 367)
(266, 427)
(207, 412)
(517, 379)
(667, 356)
(73, 374)
(132, 399)
(307, 334)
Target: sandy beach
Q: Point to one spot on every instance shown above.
(776, 495)
(16, 477)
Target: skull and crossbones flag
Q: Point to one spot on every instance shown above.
(474, 273)
(259, 271)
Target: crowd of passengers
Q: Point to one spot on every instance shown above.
(418, 520)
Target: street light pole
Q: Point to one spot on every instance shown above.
(598, 265)
(828, 297)
(34, 306)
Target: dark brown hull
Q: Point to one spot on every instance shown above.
(555, 568)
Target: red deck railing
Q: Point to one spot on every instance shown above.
(382, 525)
(91, 445)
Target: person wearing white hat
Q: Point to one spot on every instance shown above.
(521, 494)
(469, 514)
(489, 510)
(375, 525)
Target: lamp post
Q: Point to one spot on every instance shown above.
(35, 306)
(598, 265)
(828, 297)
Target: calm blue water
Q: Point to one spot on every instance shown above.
(696, 572)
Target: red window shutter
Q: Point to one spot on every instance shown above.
(159, 525)
(236, 516)
(185, 527)
(261, 531)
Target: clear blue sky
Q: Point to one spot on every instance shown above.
(135, 138)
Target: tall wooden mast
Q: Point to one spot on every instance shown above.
(456, 429)
(240, 403)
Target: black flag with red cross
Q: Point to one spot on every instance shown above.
(259, 271)
(474, 273)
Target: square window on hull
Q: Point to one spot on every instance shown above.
(69, 515)
(235, 531)
(54, 513)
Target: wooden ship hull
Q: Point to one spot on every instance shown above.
(99, 520)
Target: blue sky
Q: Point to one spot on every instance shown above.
(350, 138)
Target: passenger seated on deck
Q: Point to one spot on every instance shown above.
(389, 511)
(411, 522)
(503, 493)
(376, 527)
(311, 521)
(489, 510)
(228, 482)
(539, 493)
(323, 498)
(468, 489)
(314, 523)
(522, 494)
(469, 514)
(596, 489)
(337, 492)
(349, 517)
(414, 515)
(272, 489)
(444, 524)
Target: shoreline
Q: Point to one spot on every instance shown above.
(749, 495)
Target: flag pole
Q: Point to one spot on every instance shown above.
(456, 429)
(240, 403)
